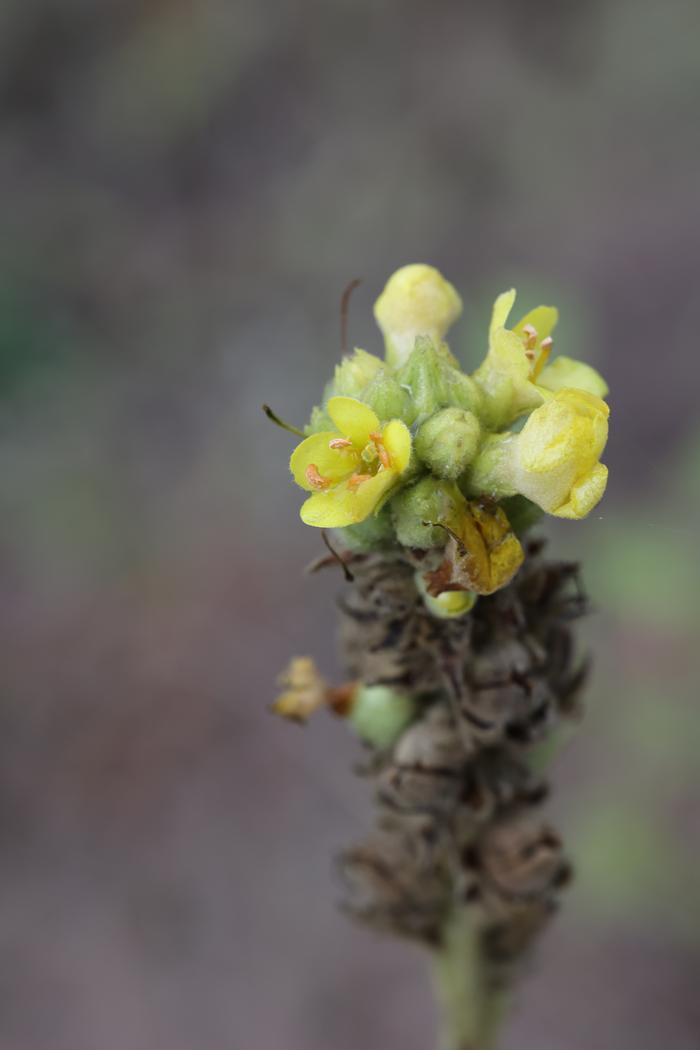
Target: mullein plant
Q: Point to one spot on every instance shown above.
(455, 630)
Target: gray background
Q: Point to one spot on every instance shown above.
(185, 190)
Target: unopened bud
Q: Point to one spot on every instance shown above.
(417, 301)
(355, 372)
(413, 509)
(389, 399)
(379, 714)
(448, 441)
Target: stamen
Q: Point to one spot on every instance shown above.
(530, 336)
(357, 480)
(316, 479)
(384, 456)
(340, 443)
(545, 350)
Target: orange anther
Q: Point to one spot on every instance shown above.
(340, 443)
(384, 457)
(315, 479)
(357, 479)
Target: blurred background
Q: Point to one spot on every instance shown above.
(185, 190)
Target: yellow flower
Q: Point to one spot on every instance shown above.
(515, 375)
(557, 454)
(515, 359)
(417, 300)
(349, 470)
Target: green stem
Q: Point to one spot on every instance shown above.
(471, 1010)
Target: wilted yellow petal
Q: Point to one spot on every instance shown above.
(333, 464)
(396, 438)
(482, 554)
(304, 690)
(353, 419)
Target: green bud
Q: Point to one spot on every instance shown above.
(463, 392)
(354, 373)
(446, 606)
(374, 533)
(428, 500)
(435, 381)
(424, 373)
(490, 473)
(379, 714)
(448, 441)
(389, 399)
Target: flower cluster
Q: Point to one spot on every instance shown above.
(410, 451)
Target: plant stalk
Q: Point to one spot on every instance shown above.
(471, 1010)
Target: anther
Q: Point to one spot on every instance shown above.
(340, 443)
(384, 456)
(530, 336)
(357, 479)
(316, 479)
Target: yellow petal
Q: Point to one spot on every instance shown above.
(542, 318)
(353, 419)
(570, 428)
(585, 494)
(330, 463)
(369, 494)
(501, 309)
(567, 372)
(345, 505)
(397, 441)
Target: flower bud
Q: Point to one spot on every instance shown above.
(355, 372)
(374, 533)
(429, 500)
(389, 399)
(448, 441)
(424, 373)
(379, 714)
(417, 300)
(449, 604)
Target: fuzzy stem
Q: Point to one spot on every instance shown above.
(471, 1011)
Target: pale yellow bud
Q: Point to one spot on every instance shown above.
(417, 300)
